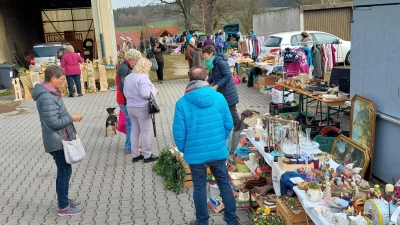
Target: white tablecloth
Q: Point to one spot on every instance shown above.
(310, 212)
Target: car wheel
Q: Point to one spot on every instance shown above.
(348, 58)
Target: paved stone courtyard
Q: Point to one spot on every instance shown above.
(112, 189)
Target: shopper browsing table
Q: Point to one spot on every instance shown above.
(202, 122)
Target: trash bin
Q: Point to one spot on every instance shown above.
(6, 73)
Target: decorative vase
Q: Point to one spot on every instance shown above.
(314, 195)
(308, 144)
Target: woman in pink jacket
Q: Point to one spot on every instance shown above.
(70, 62)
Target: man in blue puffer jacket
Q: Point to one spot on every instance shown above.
(202, 122)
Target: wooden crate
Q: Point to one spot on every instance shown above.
(284, 212)
(187, 182)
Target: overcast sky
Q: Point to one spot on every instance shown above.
(121, 3)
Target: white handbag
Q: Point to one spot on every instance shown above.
(73, 150)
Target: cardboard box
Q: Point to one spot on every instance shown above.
(256, 85)
(266, 80)
(283, 211)
(277, 96)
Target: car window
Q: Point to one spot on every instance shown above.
(295, 40)
(324, 38)
(48, 51)
(272, 42)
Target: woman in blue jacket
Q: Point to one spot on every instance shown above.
(222, 80)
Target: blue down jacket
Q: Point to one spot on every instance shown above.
(202, 122)
(54, 118)
(222, 76)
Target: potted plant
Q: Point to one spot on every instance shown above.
(263, 219)
(314, 192)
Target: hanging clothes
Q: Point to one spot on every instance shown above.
(316, 57)
(333, 54)
(308, 53)
(329, 56)
(323, 58)
(304, 68)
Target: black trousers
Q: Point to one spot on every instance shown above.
(160, 71)
(235, 117)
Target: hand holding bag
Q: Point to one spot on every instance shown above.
(153, 107)
(154, 65)
(73, 149)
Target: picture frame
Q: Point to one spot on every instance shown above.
(362, 125)
(345, 151)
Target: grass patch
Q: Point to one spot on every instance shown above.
(6, 93)
(167, 23)
(175, 67)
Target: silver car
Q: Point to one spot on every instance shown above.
(44, 52)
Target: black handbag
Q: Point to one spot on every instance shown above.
(153, 107)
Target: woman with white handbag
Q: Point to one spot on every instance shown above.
(58, 134)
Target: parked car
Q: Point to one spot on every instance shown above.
(293, 39)
(201, 38)
(231, 35)
(44, 52)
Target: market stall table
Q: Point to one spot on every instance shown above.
(242, 60)
(331, 103)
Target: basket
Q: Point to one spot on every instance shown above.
(325, 143)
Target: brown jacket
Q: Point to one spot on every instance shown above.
(189, 55)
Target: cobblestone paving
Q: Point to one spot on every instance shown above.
(112, 189)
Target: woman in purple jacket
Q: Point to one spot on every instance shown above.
(70, 62)
(137, 89)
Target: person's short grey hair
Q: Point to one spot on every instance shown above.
(132, 54)
(192, 41)
(143, 66)
(197, 73)
(53, 71)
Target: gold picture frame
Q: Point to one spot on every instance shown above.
(362, 125)
(345, 151)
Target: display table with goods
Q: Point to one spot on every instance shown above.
(310, 91)
(330, 187)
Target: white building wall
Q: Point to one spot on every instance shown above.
(277, 21)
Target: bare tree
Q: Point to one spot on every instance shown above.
(245, 15)
(185, 7)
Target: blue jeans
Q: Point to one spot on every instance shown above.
(219, 50)
(70, 81)
(64, 171)
(199, 177)
(128, 146)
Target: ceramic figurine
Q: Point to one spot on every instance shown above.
(328, 191)
(104, 61)
(396, 193)
(377, 191)
(111, 60)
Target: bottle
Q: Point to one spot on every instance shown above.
(259, 128)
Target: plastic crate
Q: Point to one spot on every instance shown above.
(275, 109)
(316, 127)
(325, 143)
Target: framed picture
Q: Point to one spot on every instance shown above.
(345, 151)
(362, 125)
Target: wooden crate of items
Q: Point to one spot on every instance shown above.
(188, 178)
(284, 212)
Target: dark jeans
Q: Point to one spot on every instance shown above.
(160, 71)
(64, 171)
(199, 177)
(219, 50)
(235, 117)
(70, 81)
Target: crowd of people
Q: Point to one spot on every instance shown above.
(206, 111)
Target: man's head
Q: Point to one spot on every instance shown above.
(221, 32)
(64, 44)
(208, 36)
(132, 56)
(197, 73)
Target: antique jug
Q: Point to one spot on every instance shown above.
(340, 218)
(314, 194)
(357, 220)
